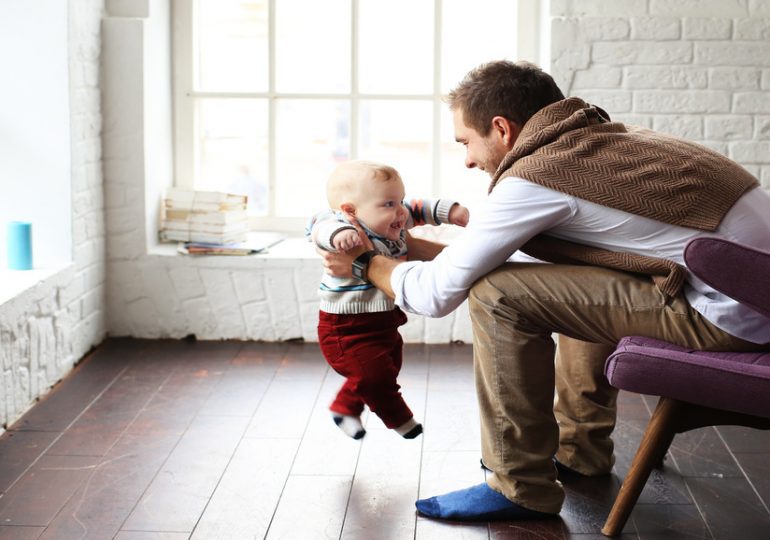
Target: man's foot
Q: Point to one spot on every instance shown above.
(350, 425)
(477, 503)
(409, 429)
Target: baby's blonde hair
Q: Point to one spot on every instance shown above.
(347, 182)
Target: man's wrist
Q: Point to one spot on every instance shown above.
(360, 265)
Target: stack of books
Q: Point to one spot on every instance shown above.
(212, 217)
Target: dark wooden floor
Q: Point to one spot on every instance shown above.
(230, 440)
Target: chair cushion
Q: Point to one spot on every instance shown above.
(738, 382)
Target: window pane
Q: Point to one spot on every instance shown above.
(312, 46)
(395, 47)
(232, 149)
(468, 186)
(312, 136)
(398, 133)
(232, 41)
(463, 26)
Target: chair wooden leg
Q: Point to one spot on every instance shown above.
(654, 445)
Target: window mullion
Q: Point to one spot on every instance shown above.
(271, 126)
(184, 43)
(528, 30)
(354, 96)
(437, 60)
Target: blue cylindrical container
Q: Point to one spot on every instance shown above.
(19, 239)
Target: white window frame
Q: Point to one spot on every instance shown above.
(530, 16)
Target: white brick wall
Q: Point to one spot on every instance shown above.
(698, 69)
(48, 328)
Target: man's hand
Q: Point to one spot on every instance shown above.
(459, 215)
(340, 264)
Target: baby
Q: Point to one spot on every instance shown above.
(358, 324)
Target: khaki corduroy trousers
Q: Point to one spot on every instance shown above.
(515, 310)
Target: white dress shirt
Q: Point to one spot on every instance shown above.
(517, 210)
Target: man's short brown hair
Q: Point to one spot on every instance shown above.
(515, 91)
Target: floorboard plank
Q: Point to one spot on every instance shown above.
(100, 425)
(246, 498)
(701, 452)
(387, 475)
(41, 493)
(18, 451)
(385, 488)
(284, 410)
(69, 398)
(102, 503)
(241, 389)
(757, 468)
(552, 529)
(140, 535)
(730, 508)
(672, 521)
(745, 440)
(325, 449)
(311, 507)
(452, 417)
(588, 502)
(176, 498)
(20, 533)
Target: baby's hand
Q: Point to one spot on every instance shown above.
(346, 239)
(459, 215)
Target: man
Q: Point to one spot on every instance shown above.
(612, 207)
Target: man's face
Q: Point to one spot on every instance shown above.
(484, 153)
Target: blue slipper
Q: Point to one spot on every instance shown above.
(477, 503)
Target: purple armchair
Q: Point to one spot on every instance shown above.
(696, 388)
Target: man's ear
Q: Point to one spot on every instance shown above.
(507, 130)
(348, 208)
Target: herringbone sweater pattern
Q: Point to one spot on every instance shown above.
(573, 147)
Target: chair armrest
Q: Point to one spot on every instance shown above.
(740, 272)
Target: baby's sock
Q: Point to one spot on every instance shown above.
(350, 425)
(409, 429)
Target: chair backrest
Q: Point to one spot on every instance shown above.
(740, 272)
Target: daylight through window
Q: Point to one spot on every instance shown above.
(271, 94)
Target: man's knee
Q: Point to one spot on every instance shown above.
(480, 292)
(503, 285)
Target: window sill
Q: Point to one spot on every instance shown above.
(296, 248)
(13, 283)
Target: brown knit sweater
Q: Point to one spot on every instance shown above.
(573, 147)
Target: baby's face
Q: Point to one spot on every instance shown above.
(381, 208)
